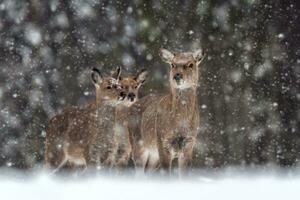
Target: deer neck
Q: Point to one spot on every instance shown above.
(101, 101)
(104, 107)
(121, 109)
(121, 113)
(184, 101)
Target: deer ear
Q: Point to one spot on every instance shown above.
(117, 74)
(141, 76)
(166, 55)
(96, 76)
(198, 55)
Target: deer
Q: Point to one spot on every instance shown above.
(164, 127)
(88, 135)
(70, 134)
(131, 84)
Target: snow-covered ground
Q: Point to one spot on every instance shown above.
(228, 184)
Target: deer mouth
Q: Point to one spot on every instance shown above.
(131, 97)
(179, 82)
(128, 103)
(182, 85)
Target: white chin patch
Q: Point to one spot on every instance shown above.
(183, 85)
(128, 103)
(113, 103)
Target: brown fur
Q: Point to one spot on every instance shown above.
(81, 136)
(164, 127)
(123, 150)
(70, 134)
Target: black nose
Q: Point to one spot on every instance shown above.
(131, 96)
(123, 95)
(178, 76)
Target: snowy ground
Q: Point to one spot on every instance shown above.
(228, 184)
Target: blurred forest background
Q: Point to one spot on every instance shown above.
(249, 92)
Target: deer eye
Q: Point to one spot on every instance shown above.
(172, 65)
(191, 65)
(108, 87)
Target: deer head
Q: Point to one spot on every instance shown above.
(130, 86)
(107, 88)
(184, 67)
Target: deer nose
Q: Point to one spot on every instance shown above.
(178, 76)
(131, 96)
(123, 95)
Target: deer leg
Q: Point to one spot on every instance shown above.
(80, 169)
(166, 162)
(47, 165)
(184, 161)
(77, 165)
(123, 161)
(140, 163)
(84, 168)
(109, 162)
(54, 158)
(153, 161)
(121, 165)
(62, 164)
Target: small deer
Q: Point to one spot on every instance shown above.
(131, 85)
(164, 127)
(97, 133)
(71, 133)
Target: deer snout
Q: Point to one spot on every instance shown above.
(177, 77)
(131, 96)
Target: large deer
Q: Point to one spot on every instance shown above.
(164, 127)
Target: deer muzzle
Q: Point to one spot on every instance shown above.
(177, 77)
(131, 96)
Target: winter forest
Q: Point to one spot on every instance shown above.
(249, 86)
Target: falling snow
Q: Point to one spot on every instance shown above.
(248, 91)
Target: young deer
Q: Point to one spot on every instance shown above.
(164, 127)
(94, 134)
(131, 85)
(70, 134)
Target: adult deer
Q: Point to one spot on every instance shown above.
(164, 127)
